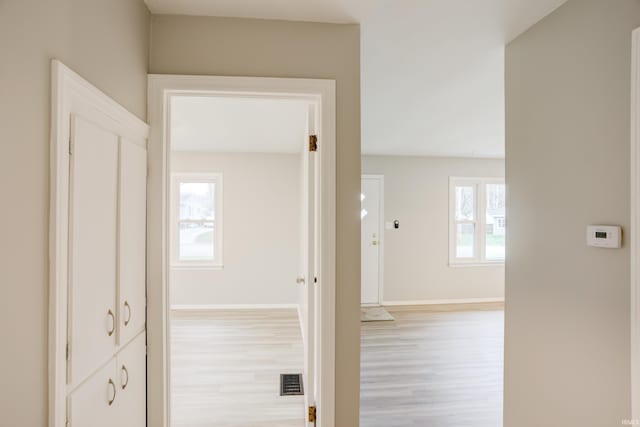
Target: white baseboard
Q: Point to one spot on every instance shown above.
(232, 306)
(444, 301)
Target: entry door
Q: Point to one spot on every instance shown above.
(306, 281)
(371, 235)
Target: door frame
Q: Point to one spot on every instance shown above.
(160, 89)
(381, 240)
(70, 94)
(634, 232)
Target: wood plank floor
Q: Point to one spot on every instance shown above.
(433, 367)
(226, 366)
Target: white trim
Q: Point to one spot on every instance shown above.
(479, 185)
(477, 264)
(218, 222)
(381, 234)
(71, 94)
(443, 301)
(201, 307)
(634, 232)
(161, 88)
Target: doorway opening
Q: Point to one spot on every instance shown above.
(432, 291)
(247, 255)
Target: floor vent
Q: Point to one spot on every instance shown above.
(291, 385)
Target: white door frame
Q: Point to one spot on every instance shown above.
(634, 232)
(381, 234)
(160, 90)
(71, 94)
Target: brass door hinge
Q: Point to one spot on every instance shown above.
(312, 414)
(313, 143)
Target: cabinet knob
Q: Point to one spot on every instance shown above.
(112, 318)
(113, 390)
(128, 308)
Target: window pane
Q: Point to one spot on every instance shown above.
(464, 203)
(495, 222)
(465, 240)
(197, 200)
(196, 241)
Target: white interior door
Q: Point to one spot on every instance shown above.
(306, 280)
(371, 235)
(93, 222)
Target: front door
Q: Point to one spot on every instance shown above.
(370, 215)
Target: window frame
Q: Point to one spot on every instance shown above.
(479, 185)
(218, 255)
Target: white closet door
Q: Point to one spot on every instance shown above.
(132, 239)
(132, 405)
(95, 403)
(93, 189)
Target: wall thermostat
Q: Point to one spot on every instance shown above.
(604, 236)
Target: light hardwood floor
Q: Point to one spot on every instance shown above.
(433, 367)
(226, 366)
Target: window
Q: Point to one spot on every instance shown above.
(477, 227)
(196, 236)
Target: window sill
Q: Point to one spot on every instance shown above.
(454, 264)
(181, 267)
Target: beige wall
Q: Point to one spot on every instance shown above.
(247, 47)
(107, 43)
(416, 256)
(261, 231)
(567, 305)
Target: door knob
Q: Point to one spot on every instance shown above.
(374, 242)
(300, 280)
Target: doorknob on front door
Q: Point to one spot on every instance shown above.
(300, 280)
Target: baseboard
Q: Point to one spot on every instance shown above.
(444, 301)
(232, 306)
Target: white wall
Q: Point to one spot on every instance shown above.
(105, 41)
(261, 210)
(568, 145)
(416, 256)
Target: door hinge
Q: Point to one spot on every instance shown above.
(313, 143)
(312, 414)
(68, 352)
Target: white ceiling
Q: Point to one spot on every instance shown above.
(234, 124)
(432, 70)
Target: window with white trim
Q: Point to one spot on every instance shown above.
(196, 235)
(477, 224)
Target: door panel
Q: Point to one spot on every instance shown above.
(93, 213)
(371, 240)
(95, 403)
(132, 407)
(132, 239)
